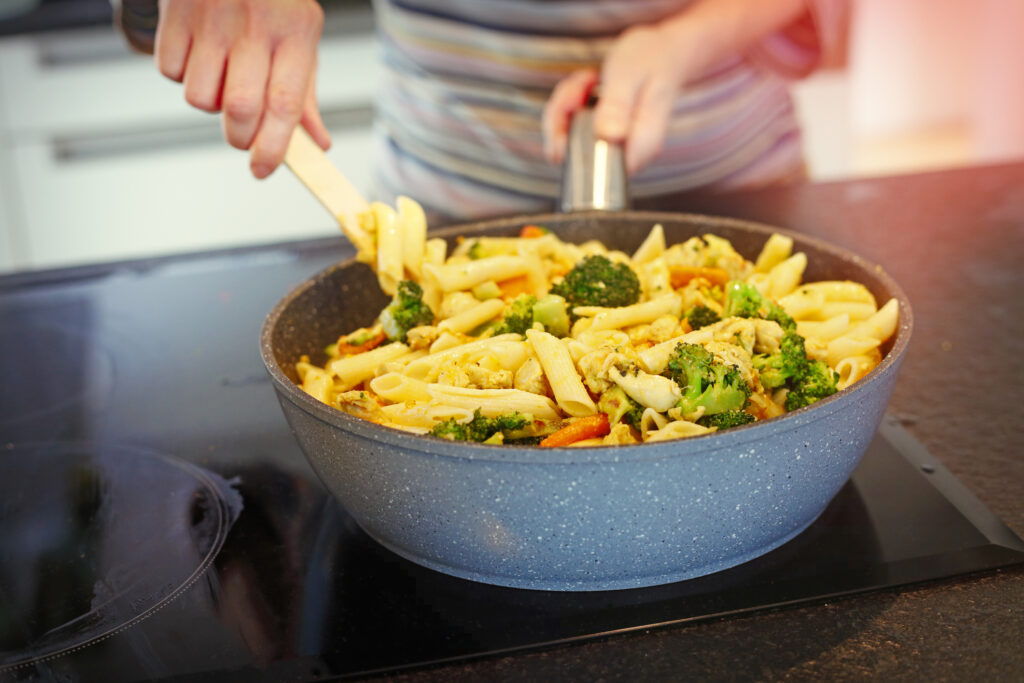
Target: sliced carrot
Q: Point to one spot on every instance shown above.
(587, 427)
(346, 349)
(680, 276)
(514, 286)
(533, 231)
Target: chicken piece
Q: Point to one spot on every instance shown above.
(453, 376)
(530, 377)
(620, 434)
(486, 378)
(421, 337)
(359, 404)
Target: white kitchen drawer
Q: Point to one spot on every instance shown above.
(102, 159)
(81, 82)
(88, 206)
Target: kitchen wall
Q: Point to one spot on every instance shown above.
(101, 159)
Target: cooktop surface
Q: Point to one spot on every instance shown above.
(158, 520)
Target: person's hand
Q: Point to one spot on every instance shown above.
(253, 60)
(648, 65)
(639, 78)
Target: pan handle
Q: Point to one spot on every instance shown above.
(594, 172)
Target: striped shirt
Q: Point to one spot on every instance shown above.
(458, 124)
(459, 111)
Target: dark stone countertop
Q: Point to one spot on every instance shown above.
(955, 241)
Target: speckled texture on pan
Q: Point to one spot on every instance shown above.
(580, 519)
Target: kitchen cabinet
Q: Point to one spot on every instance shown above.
(101, 158)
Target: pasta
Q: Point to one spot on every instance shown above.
(672, 342)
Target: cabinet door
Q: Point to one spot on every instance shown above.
(83, 203)
(103, 160)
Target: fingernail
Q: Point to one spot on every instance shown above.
(261, 170)
(607, 128)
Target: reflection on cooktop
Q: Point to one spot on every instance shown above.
(96, 538)
(130, 396)
(64, 367)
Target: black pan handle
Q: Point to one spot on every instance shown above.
(594, 172)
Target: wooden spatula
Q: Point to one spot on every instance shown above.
(311, 165)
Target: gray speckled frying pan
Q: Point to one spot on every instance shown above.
(596, 518)
(574, 519)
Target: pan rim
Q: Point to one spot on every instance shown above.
(726, 440)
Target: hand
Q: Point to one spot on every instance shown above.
(649, 64)
(639, 80)
(253, 60)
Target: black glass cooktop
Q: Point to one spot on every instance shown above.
(158, 521)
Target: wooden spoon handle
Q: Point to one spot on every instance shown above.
(311, 165)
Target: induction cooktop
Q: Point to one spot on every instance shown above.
(158, 521)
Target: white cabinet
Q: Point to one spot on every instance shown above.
(101, 158)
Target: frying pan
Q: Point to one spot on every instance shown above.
(592, 518)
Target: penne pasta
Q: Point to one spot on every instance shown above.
(625, 316)
(784, 277)
(461, 276)
(570, 394)
(495, 402)
(581, 374)
(353, 370)
(776, 249)
(390, 267)
(854, 368)
(413, 231)
(652, 247)
(474, 317)
(880, 325)
(846, 346)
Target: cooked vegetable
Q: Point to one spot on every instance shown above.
(480, 428)
(518, 316)
(744, 300)
(727, 420)
(597, 281)
(706, 382)
(701, 316)
(588, 427)
(405, 311)
(550, 311)
(619, 407)
(814, 384)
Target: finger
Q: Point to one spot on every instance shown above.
(245, 87)
(204, 75)
(622, 77)
(311, 119)
(649, 126)
(173, 40)
(568, 96)
(290, 73)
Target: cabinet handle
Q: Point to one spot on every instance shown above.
(84, 148)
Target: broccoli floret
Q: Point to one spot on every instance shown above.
(788, 362)
(597, 281)
(705, 381)
(518, 316)
(405, 311)
(816, 382)
(726, 420)
(807, 380)
(701, 316)
(745, 301)
(480, 428)
(619, 407)
(451, 430)
(550, 311)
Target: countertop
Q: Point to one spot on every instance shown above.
(160, 355)
(955, 241)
